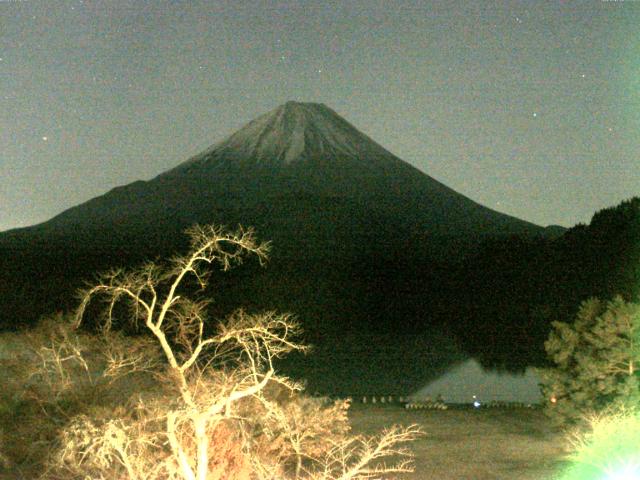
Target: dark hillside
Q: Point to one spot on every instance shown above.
(512, 288)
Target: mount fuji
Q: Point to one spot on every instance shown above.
(296, 150)
(363, 242)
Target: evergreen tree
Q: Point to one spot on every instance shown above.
(596, 358)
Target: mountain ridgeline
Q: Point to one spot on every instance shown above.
(393, 275)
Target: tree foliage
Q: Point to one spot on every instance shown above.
(178, 401)
(596, 360)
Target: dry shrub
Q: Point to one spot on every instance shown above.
(32, 406)
(289, 431)
(230, 460)
(55, 374)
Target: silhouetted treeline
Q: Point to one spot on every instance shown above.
(512, 288)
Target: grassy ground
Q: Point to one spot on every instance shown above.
(469, 444)
(462, 444)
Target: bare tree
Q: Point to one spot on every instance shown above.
(209, 411)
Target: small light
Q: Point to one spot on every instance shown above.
(476, 404)
(553, 399)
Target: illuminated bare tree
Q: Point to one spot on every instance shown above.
(208, 412)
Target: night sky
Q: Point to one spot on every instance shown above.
(530, 108)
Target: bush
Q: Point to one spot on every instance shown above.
(54, 373)
(178, 403)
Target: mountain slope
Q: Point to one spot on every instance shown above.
(296, 150)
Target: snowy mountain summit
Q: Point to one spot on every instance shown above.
(293, 132)
(293, 164)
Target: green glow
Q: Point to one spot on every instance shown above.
(609, 451)
(628, 472)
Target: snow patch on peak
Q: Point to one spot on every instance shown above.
(291, 133)
(295, 131)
